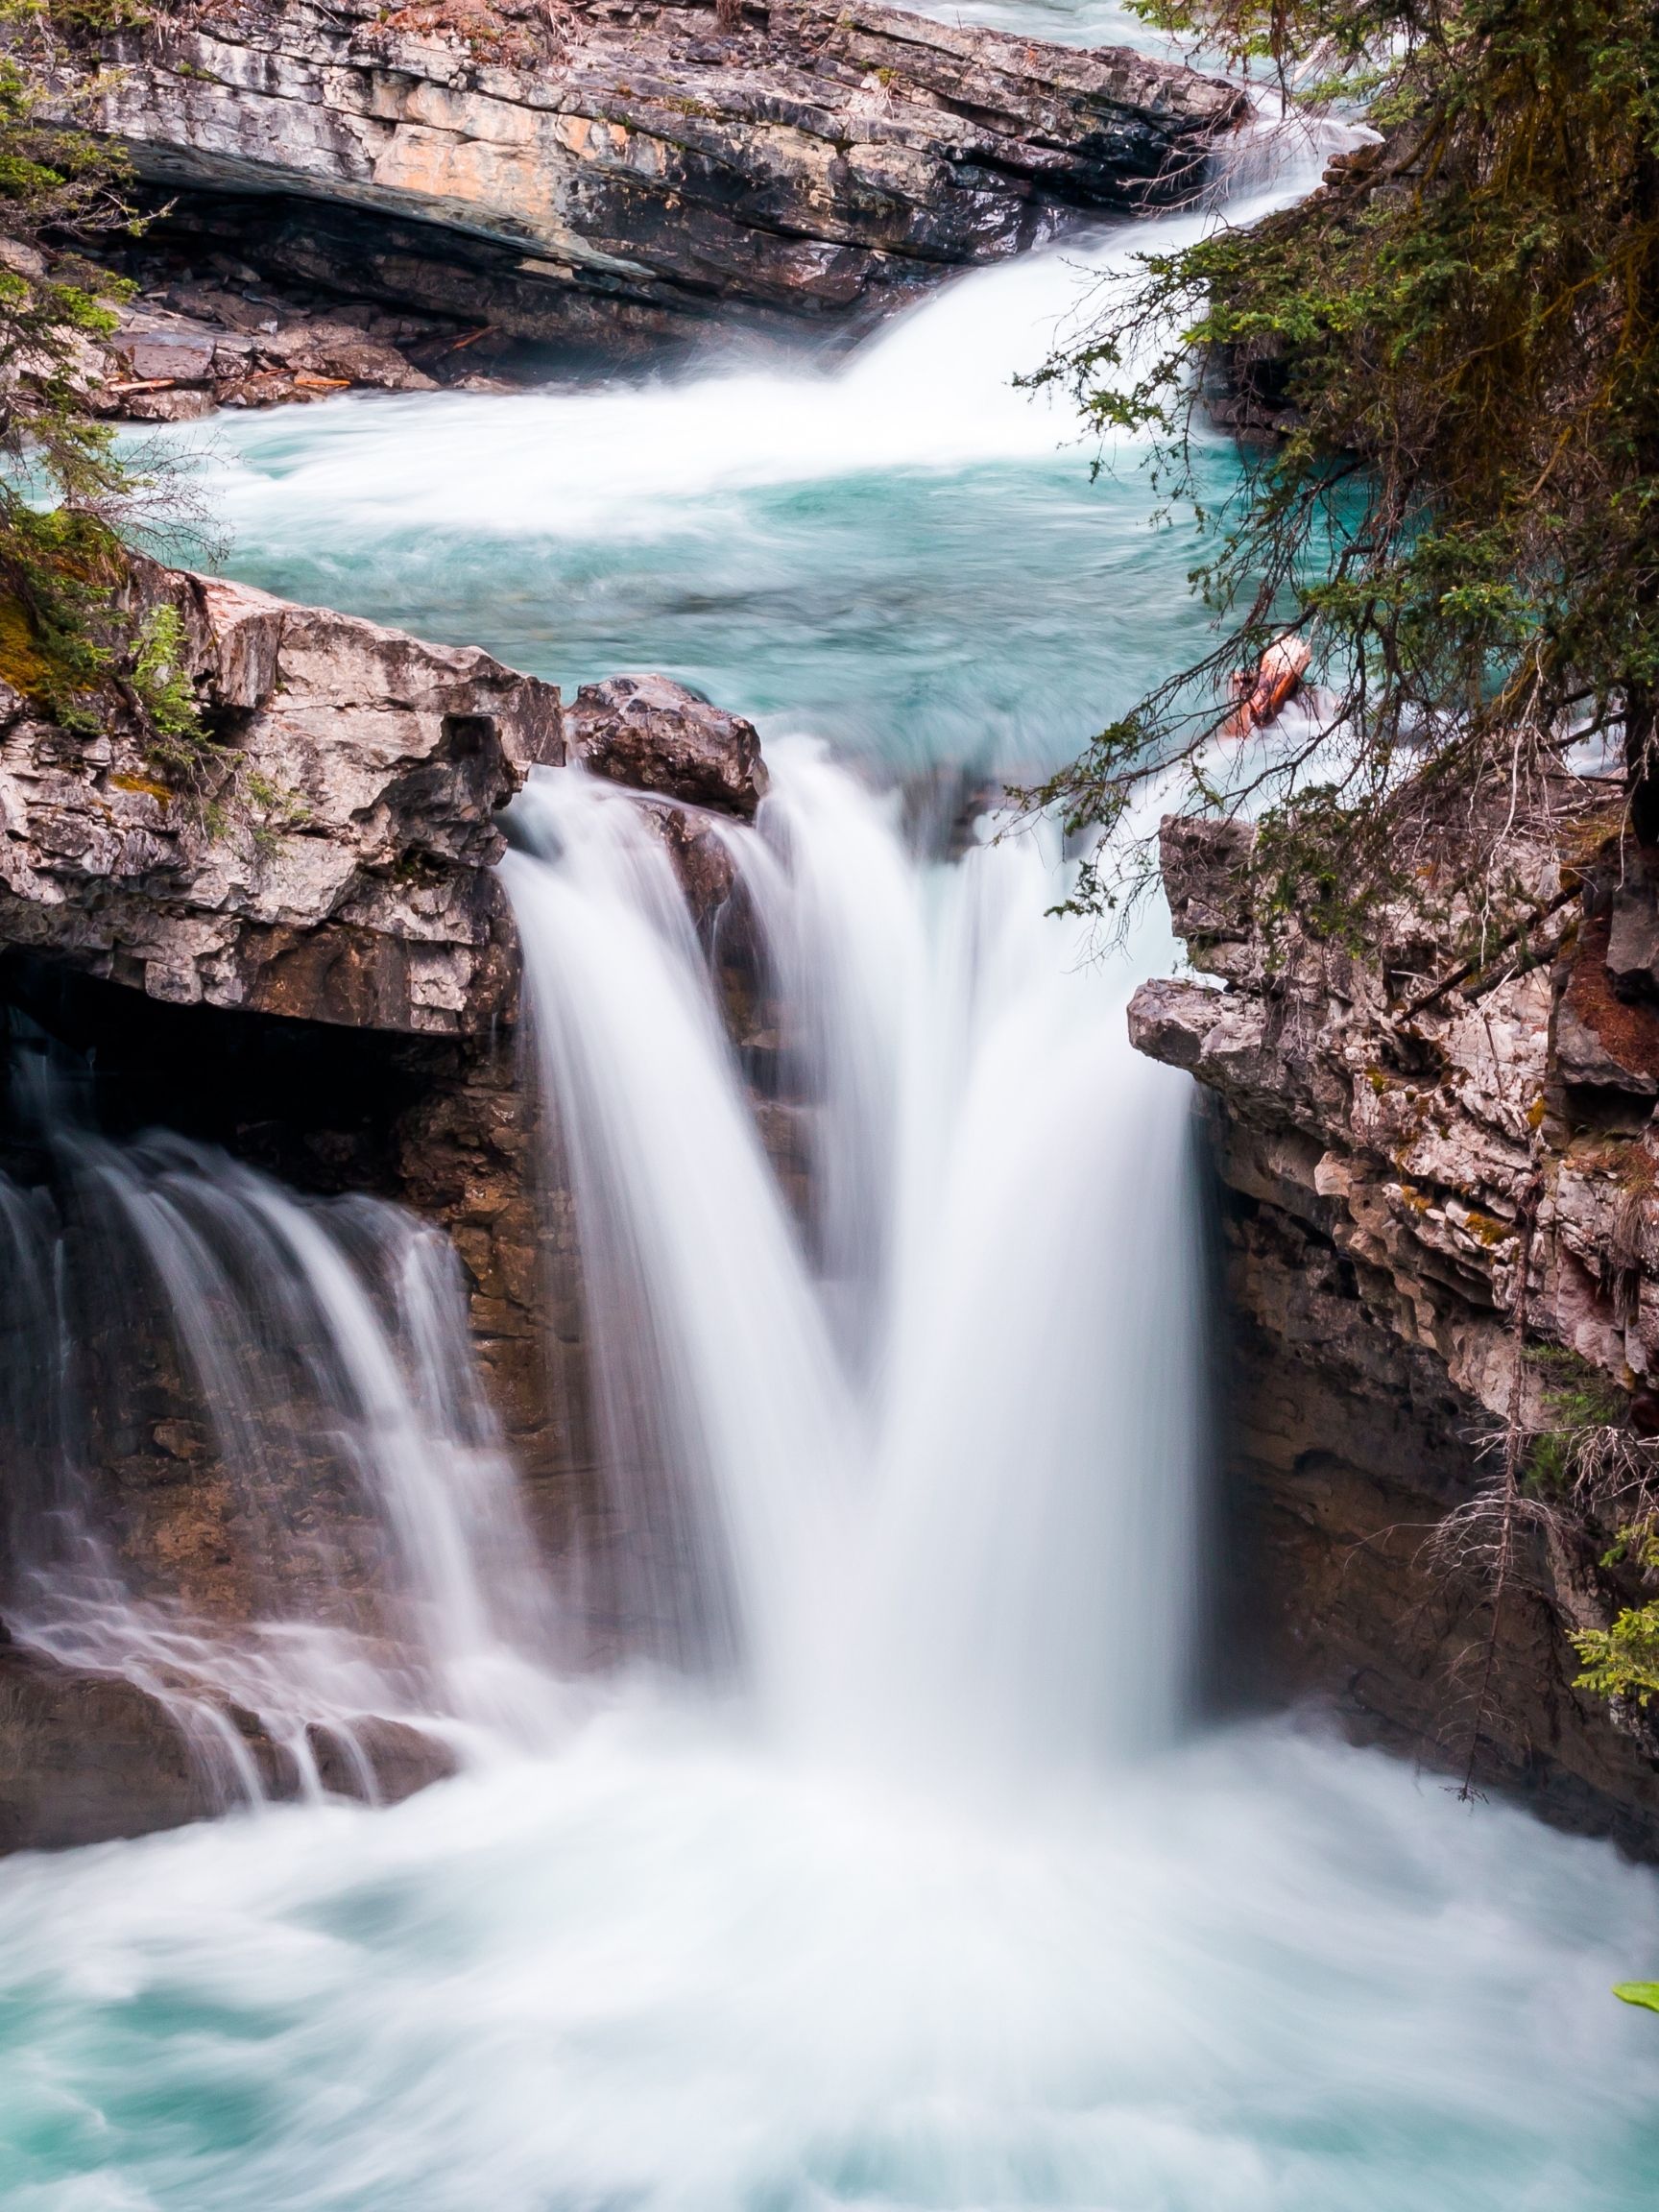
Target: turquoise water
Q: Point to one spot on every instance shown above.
(916, 616)
(909, 557)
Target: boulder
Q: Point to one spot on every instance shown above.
(658, 736)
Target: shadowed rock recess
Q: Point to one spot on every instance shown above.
(620, 175)
(1383, 1118)
(296, 948)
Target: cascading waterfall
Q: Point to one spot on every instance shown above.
(870, 1454)
(894, 1883)
(958, 1925)
(722, 1418)
(848, 1456)
(318, 1355)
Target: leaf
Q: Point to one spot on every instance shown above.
(1644, 1993)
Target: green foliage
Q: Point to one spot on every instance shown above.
(158, 679)
(1580, 1399)
(71, 639)
(1452, 349)
(1644, 1993)
(1622, 1661)
(275, 807)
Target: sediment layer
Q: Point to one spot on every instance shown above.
(618, 177)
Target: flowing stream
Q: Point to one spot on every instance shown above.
(897, 1870)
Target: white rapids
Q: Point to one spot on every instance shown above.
(918, 1475)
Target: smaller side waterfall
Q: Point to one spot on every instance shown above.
(919, 1467)
(344, 1543)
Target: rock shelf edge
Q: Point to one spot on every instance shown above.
(612, 179)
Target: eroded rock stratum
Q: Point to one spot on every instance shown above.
(621, 175)
(327, 853)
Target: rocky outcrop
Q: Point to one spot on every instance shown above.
(327, 854)
(657, 736)
(167, 365)
(180, 347)
(203, 329)
(87, 1757)
(610, 174)
(1414, 1138)
(325, 851)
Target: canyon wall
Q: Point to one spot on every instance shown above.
(1412, 1143)
(621, 176)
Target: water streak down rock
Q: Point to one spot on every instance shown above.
(624, 175)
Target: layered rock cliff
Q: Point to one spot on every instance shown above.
(325, 851)
(1431, 1158)
(618, 175)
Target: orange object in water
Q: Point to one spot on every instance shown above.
(1278, 673)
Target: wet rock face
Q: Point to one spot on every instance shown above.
(84, 1759)
(611, 175)
(332, 861)
(88, 1758)
(1382, 1121)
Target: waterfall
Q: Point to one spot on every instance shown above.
(872, 1887)
(362, 1553)
(895, 1902)
(723, 1421)
(920, 1467)
(875, 1430)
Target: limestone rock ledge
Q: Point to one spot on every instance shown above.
(328, 857)
(603, 174)
(1383, 1120)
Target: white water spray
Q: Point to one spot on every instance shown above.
(929, 1457)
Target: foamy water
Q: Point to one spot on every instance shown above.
(670, 1971)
